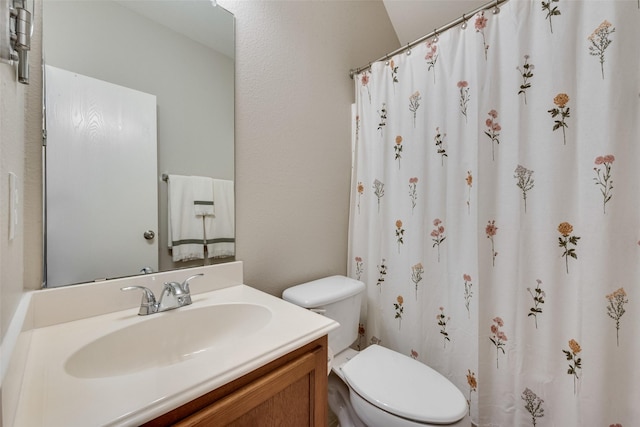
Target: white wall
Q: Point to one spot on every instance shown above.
(293, 98)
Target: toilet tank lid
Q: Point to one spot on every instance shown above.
(323, 291)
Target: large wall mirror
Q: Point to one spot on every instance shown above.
(136, 92)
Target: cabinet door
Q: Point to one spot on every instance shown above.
(292, 395)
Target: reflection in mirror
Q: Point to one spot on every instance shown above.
(137, 90)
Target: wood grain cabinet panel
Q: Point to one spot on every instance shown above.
(289, 392)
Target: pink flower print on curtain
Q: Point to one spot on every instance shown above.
(467, 292)
(364, 79)
(561, 101)
(481, 24)
(432, 56)
(463, 86)
(439, 141)
(416, 276)
(414, 354)
(604, 180)
(398, 149)
(359, 267)
(414, 104)
(442, 322)
(615, 309)
(575, 362)
(491, 230)
(538, 296)
(565, 229)
(360, 191)
(600, 41)
(493, 129)
(473, 386)
(551, 11)
(498, 337)
(437, 235)
(527, 72)
(413, 194)
(533, 405)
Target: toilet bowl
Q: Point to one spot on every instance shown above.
(376, 387)
(340, 403)
(393, 390)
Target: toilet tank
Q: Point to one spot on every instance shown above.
(338, 298)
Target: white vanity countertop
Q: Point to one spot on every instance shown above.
(52, 397)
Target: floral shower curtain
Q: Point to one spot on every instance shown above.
(495, 213)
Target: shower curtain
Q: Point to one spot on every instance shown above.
(495, 212)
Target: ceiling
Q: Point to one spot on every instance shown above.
(413, 19)
(199, 20)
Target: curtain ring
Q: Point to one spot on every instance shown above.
(408, 49)
(464, 22)
(496, 9)
(435, 37)
(387, 60)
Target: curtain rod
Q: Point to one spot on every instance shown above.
(463, 18)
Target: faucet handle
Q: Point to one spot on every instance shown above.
(185, 284)
(174, 288)
(148, 303)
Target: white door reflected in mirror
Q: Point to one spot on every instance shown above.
(101, 169)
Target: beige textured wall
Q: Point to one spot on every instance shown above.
(293, 146)
(32, 198)
(20, 148)
(293, 97)
(12, 103)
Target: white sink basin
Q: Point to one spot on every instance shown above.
(120, 369)
(167, 338)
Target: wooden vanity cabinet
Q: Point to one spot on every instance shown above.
(290, 391)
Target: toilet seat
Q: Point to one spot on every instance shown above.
(404, 387)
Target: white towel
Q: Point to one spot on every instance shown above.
(204, 207)
(203, 196)
(186, 229)
(221, 233)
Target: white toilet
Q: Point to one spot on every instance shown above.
(376, 387)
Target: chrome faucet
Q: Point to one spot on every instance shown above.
(174, 295)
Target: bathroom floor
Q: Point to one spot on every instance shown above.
(332, 420)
